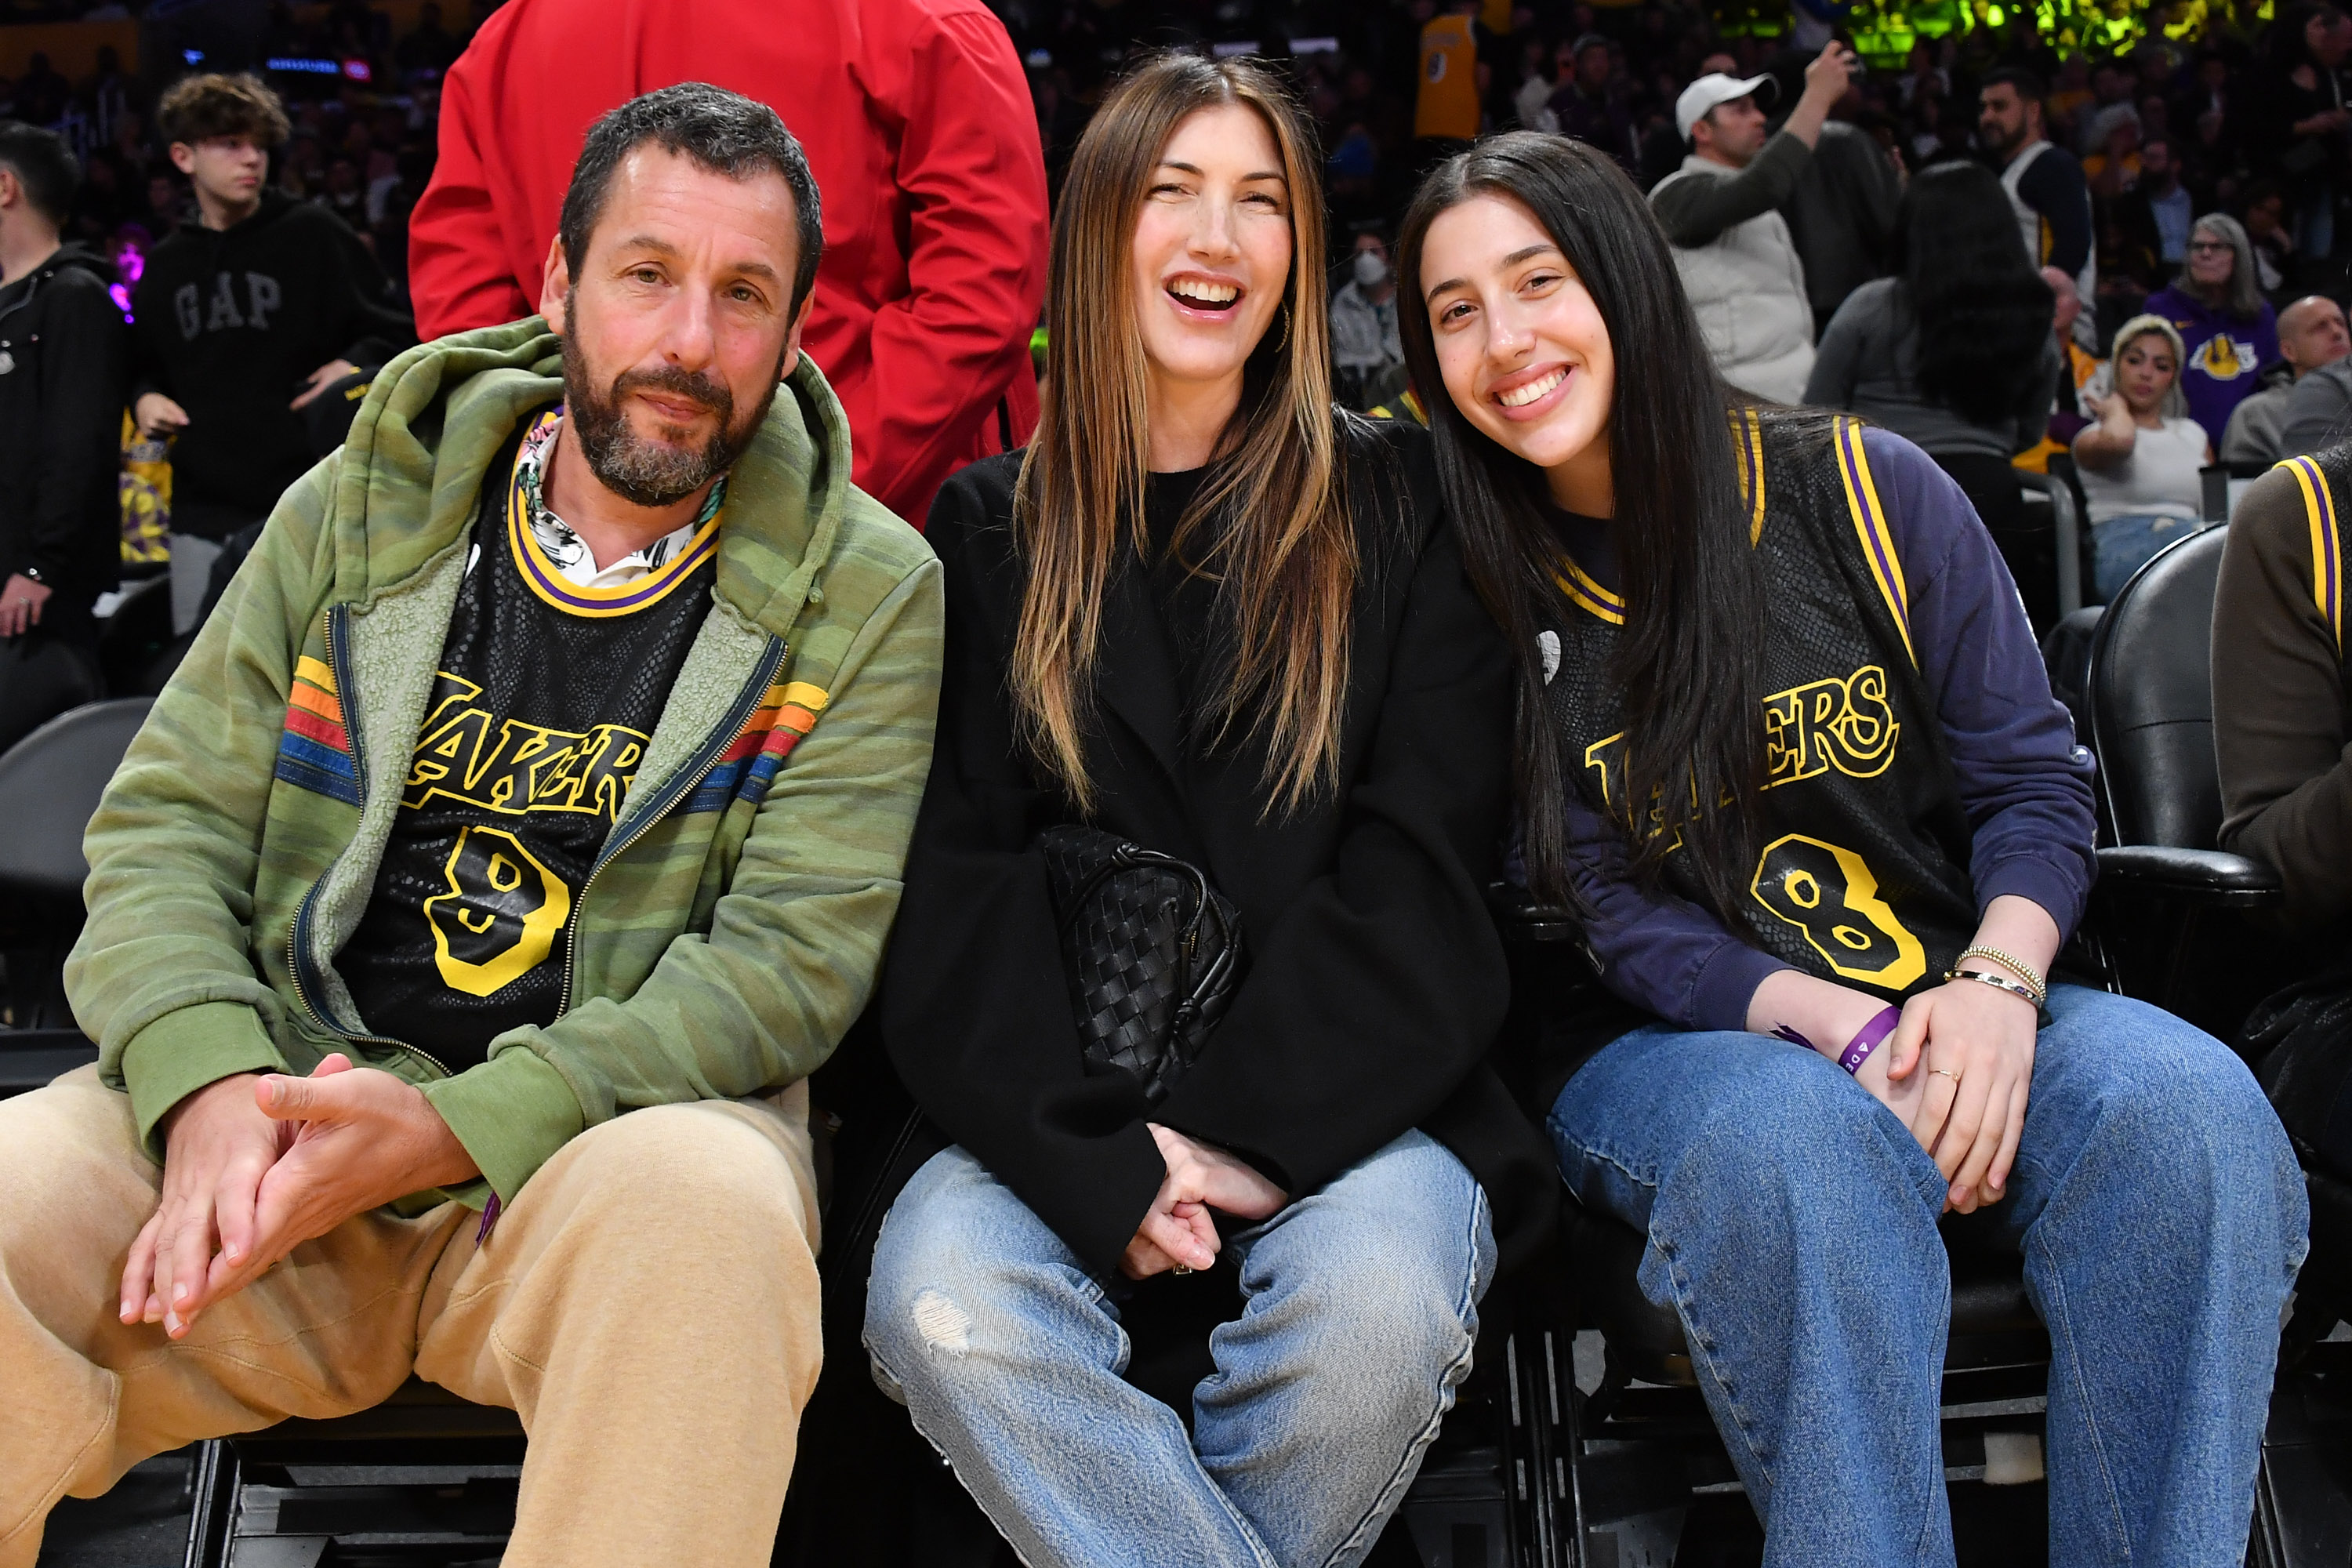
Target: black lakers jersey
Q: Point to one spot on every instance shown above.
(1861, 876)
(547, 694)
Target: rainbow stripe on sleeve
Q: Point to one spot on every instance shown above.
(314, 750)
(788, 711)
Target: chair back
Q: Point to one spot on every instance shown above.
(2152, 699)
(50, 785)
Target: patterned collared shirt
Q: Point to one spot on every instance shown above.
(567, 552)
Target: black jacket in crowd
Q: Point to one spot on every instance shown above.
(230, 323)
(63, 352)
(1377, 983)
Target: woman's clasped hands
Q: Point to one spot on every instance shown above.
(1177, 1233)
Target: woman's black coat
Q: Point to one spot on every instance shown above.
(1377, 983)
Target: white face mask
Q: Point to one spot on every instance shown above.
(1371, 268)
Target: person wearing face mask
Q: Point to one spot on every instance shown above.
(1210, 614)
(1788, 748)
(1367, 360)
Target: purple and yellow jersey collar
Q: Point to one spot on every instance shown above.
(546, 579)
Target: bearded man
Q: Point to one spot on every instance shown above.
(467, 917)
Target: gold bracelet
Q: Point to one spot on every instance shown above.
(2025, 971)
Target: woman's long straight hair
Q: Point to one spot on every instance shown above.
(1690, 664)
(1285, 565)
(1982, 309)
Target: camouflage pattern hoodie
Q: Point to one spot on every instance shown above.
(731, 928)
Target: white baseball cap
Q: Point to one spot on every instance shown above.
(1710, 91)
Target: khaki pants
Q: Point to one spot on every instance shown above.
(647, 1304)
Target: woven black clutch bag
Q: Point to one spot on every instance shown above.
(1152, 952)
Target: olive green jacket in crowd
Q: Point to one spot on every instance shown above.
(731, 928)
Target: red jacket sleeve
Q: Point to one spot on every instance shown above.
(973, 175)
(459, 275)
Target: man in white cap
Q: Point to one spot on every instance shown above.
(1733, 249)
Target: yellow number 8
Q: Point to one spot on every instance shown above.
(1830, 894)
(498, 919)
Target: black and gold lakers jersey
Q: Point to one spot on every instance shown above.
(1862, 874)
(546, 697)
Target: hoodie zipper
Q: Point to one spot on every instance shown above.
(747, 703)
(298, 937)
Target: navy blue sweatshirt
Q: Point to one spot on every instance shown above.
(2026, 784)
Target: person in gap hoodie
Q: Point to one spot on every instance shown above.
(61, 379)
(917, 122)
(242, 321)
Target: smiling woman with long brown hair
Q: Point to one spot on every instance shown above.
(1210, 616)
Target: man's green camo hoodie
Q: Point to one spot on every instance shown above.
(733, 924)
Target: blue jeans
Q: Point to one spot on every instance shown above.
(1360, 1307)
(1792, 1226)
(2122, 545)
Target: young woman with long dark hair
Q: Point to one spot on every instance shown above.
(1785, 740)
(1955, 353)
(1208, 613)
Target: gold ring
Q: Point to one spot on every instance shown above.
(1953, 1076)
(1180, 1268)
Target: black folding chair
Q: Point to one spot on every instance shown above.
(49, 785)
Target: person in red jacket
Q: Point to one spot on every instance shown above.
(917, 120)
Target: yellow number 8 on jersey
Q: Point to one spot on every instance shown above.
(1830, 894)
(498, 922)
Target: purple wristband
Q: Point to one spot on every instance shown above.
(1869, 1037)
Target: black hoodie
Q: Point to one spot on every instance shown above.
(62, 368)
(230, 323)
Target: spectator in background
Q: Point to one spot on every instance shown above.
(2114, 166)
(428, 49)
(61, 384)
(2046, 190)
(1841, 215)
(2309, 118)
(2273, 241)
(1955, 353)
(1367, 359)
(2156, 211)
(916, 119)
(241, 322)
(2066, 418)
(2140, 463)
(1446, 106)
(1586, 108)
(1737, 262)
(1532, 103)
(2229, 330)
(2311, 335)
(42, 95)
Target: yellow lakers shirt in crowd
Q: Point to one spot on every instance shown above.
(547, 693)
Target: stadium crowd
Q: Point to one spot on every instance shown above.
(588, 712)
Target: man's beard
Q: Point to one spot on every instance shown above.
(644, 472)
